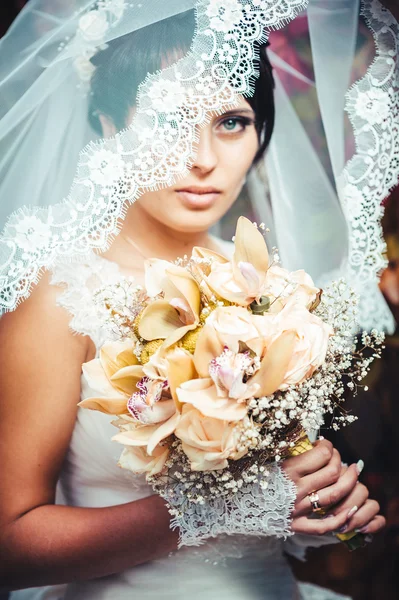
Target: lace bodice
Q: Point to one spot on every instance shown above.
(228, 567)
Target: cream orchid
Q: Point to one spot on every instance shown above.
(249, 276)
(155, 418)
(113, 376)
(241, 280)
(228, 329)
(177, 313)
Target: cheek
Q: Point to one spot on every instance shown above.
(238, 157)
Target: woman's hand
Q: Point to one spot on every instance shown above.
(338, 487)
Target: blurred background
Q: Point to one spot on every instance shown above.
(373, 572)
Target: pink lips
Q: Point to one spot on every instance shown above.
(198, 198)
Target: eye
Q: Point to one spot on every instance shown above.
(231, 125)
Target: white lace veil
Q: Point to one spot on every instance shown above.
(60, 210)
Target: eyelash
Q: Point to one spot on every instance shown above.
(243, 121)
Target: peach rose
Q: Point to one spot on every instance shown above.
(233, 324)
(139, 461)
(310, 342)
(281, 285)
(203, 395)
(207, 442)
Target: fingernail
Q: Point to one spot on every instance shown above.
(362, 529)
(321, 437)
(352, 511)
(359, 466)
(342, 529)
(329, 516)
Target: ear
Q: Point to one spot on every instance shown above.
(107, 126)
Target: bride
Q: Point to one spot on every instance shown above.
(74, 525)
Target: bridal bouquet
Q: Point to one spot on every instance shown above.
(219, 366)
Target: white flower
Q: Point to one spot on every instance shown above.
(352, 200)
(206, 85)
(93, 26)
(224, 14)
(115, 7)
(145, 161)
(218, 7)
(359, 238)
(227, 53)
(144, 133)
(373, 106)
(167, 133)
(380, 13)
(166, 95)
(386, 141)
(84, 68)
(105, 167)
(32, 233)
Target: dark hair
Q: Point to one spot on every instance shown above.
(126, 61)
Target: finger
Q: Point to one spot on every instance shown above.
(354, 500)
(322, 478)
(363, 516)
(375, 525)
(309, 462)
(332, 494)
(307, 526)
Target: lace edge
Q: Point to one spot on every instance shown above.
(227, 525)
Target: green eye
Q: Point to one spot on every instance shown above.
(230, 124)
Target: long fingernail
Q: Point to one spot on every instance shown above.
(321, 437)
(342, 529)
(352, 511)
(359, 466)
(362, 529)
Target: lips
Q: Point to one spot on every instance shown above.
(198, 198)
(199, 190)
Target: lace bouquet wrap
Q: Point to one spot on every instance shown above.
(221, 367)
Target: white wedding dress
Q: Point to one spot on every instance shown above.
(226, 568)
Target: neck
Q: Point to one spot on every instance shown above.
(151, 238)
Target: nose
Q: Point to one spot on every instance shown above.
(206, 158)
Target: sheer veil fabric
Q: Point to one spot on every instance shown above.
(63, 189)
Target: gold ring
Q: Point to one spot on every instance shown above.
(314, 500)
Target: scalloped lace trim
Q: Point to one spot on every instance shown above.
(373, 108)
(153, 151)
(80, 281)
(253, 511)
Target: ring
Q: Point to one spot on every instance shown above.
(314, 500)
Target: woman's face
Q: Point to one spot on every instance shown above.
(226, 149)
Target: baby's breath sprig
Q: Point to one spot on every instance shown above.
(120, 304)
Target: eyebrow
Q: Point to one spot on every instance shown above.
(234, 111)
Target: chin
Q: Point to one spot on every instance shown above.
(194, 221)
